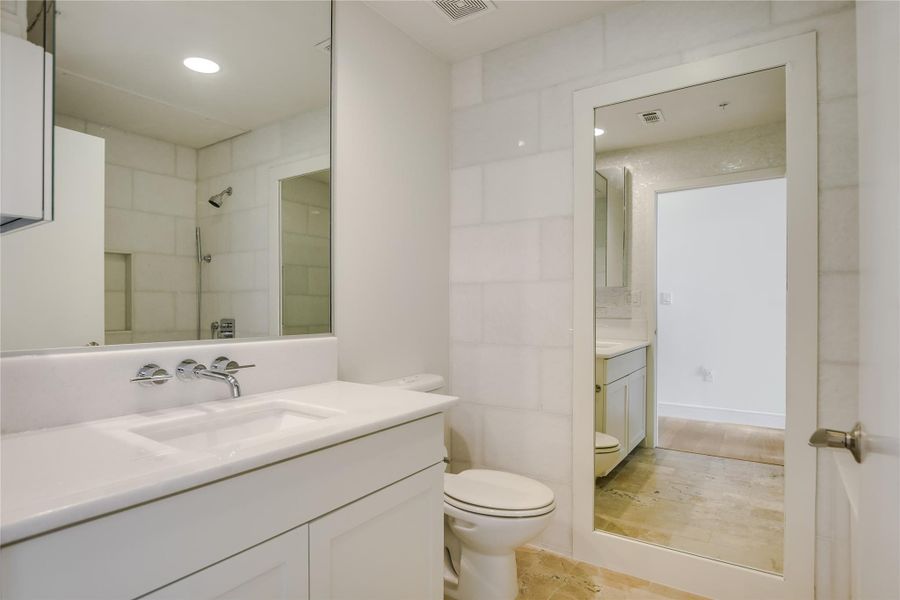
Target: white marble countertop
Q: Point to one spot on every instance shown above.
(52, 478)
(611, 348)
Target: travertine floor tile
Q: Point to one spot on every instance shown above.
(544, 575)
(722, 508)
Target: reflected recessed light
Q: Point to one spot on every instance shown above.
(201, 65)
(598, 132)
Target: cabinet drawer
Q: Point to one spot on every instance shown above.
(624, 364)
(131, 552)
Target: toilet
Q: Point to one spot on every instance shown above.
(606, 453)
(487, 515)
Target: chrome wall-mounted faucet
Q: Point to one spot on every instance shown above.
(222, 369)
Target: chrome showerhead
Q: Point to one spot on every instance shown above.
(219, 199)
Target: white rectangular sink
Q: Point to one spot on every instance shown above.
(230, 427)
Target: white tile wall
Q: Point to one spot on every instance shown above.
(466, 82)
(535, 186)
(496, 130)
(523, 93)
(151, 213)
(544, 60)
(237, 235)
(466, 192)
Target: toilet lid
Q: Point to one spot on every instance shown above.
(604, 441)
(497, 490)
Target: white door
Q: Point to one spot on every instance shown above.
(386, 546)
(877, 552)
(52, 274)
(274, 570)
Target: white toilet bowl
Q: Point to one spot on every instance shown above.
(606, 453)
(487, 515)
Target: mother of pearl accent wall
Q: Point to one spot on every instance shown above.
(761, 147)
(511, 223)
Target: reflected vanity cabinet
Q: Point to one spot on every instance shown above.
(296, 529)
(621, 398)
(26, 119)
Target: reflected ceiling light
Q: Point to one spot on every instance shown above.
(598, 132)
(201, 65)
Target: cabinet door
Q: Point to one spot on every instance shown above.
(637, 407)
(615, 413)
(386, 546)
(274, 570)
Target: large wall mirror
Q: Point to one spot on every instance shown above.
(691, 249)
(192, 168)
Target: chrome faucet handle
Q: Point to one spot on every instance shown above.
(151, 374)
(226, 365)
(187, 369)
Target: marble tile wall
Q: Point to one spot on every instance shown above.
(150, 216)
(235, 283)
(511, 209)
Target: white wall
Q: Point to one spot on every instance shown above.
(391, 157)
(511, 209)
(45, 302)
(722, 258)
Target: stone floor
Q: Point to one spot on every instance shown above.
(744, 442)
(544, 576)
(722, 508)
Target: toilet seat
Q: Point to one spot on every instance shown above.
(498, 494)
(605, 443)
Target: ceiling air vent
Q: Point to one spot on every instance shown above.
(462, 10)
(651, 116)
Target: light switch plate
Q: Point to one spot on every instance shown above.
(665, 298)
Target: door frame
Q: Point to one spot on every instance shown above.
(270, 180)
(653, 238)
(671, 567)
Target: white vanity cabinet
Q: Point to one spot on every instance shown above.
(275, 570)
(358, 519)
(621, 398)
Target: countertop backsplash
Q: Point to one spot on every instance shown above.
(50, 389)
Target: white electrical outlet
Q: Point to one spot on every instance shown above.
(665, 298)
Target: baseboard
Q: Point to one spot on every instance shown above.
(721, 415)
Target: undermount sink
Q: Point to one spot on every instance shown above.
(233, 426)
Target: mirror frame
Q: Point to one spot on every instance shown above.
(674, 568)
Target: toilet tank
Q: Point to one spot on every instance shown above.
(421, 382)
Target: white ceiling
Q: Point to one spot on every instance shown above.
(753, 99)
(120, 64)
(512, 21)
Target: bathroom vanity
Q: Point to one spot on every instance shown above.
(328, 490)
(621, 393)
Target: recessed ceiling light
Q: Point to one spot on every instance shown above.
(598, 132)
(201, 65)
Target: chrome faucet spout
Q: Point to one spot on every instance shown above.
(222, 369)
(220, 376)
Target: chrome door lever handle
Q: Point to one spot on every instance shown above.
(831, 438)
